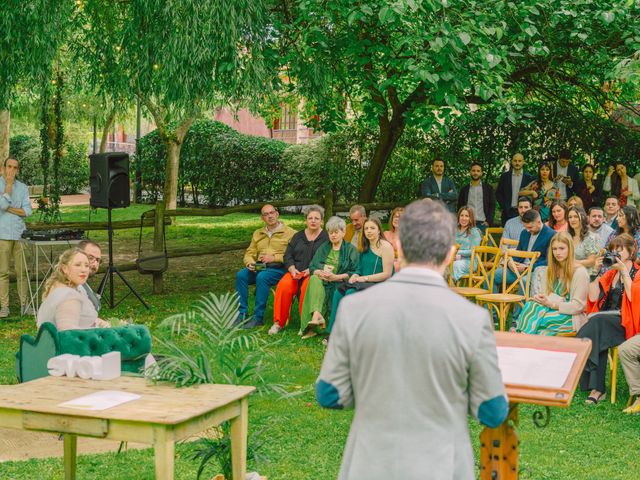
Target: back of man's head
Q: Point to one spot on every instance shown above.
(530, 216)
(427, 232)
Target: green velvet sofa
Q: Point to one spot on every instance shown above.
(132, 341)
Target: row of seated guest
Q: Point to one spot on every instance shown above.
(297, 259)
(65, 302)
(295, 262)
(332, 264)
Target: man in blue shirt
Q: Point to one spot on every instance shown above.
(14, 207)
(514, 226)
(439, 187)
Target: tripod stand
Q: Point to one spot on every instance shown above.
(111, 269)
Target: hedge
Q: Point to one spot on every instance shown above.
(74, 168)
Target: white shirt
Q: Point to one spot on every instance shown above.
(560, 170)
(475, 201)
(516, 182)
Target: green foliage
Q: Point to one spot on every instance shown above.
(543, 130)
(26, 150)
(220, 352)
(218, 165)
(31, 34)
(420, 63)
(74, 165)
(74, 169)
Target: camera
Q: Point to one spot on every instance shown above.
(609, 258)
(260, 266)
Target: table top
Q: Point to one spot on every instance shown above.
(50, 242)
(160, 403)
(552, 397)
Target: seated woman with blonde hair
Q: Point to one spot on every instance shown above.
(560, 304)
(64, 302)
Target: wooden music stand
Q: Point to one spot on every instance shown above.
(499, 446)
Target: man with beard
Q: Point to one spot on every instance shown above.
(94, 254)
(480, 197)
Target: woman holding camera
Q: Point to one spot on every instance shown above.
(559, 305)
(297, 257)
(334, 262)
(612, 316)
(64, 303)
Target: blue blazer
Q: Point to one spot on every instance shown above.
(449, 193)
(503, 190)
(574, 173)
(540, 245)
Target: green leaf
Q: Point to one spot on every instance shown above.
(385, 14)
(465, 38)
(608, 17)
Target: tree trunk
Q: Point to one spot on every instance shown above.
(105, 130)
(389, 134)
(5, 133)
(171, 173)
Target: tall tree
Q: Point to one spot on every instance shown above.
(30, 34)
(422, 62)
(180, 57)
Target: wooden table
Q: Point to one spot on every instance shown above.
(163, 416)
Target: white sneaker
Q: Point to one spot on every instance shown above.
(4, 312)
(275, 329)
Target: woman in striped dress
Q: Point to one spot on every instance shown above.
(560, 305)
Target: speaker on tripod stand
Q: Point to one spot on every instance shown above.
(109, 188)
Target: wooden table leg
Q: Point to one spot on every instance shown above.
(70, 450)
(239, 432)
(499, 449)
(164, 453)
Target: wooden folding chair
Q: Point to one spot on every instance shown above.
(450, 279)
(507, 243)
(510, 296)
(613, 365)
(490, 234)
(484, 261)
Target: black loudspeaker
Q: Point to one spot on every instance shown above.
(109, 180)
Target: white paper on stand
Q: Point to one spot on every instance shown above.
(534, 367)
(100, 400)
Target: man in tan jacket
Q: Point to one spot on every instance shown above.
(353, 234)
(264, 261)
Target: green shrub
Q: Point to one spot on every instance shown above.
(217, 165)
(26, 150)
(74, 167)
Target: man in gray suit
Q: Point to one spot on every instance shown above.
(414, 359)
(94, 254)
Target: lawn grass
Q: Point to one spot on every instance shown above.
(305, 442)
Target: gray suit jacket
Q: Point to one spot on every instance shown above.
(414, 359)
(92, 296)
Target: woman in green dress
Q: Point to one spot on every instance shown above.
(561, 304)
(334, 262)
(375, 264)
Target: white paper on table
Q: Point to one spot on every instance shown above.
(534, 367)
(100, 400)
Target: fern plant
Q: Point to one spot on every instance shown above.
(204, 345)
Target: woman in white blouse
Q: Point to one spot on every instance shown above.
(64, 302)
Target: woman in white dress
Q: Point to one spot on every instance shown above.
(64, 301)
